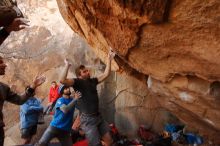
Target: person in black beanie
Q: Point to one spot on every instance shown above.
(60, 126)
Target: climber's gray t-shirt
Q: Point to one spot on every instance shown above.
(89, 102)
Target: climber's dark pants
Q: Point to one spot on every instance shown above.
(94, 127)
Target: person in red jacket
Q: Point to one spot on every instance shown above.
(53, 96)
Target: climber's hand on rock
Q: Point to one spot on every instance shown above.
(77, 94)
(111, 54)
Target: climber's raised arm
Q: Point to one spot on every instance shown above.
(107, 71)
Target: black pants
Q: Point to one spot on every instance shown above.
(2, 136)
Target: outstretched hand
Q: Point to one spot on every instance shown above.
(17, 25)
(111, 54)
(77, 94)
(38, 81)
(67, 62)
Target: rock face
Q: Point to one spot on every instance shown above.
(41, 49)
(173, 43)
(125, 101)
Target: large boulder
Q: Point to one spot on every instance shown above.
(174, 44)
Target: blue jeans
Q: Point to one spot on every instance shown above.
(52, 132)
(94, 127)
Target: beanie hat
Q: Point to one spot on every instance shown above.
(61, 89)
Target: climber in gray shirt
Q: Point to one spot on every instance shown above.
(92, 123)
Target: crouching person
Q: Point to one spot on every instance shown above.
(60, 126)
(29, 116)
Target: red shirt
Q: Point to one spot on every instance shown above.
(53, 95)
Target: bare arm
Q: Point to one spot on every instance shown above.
(20, 99)
(17, 99)
(64, 80)
(66, 108)
(107, 71)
